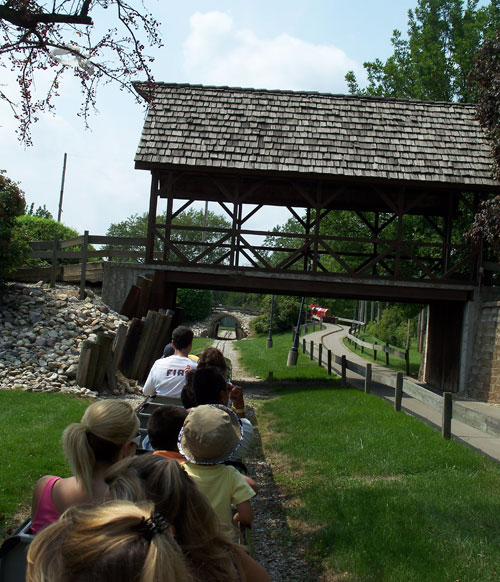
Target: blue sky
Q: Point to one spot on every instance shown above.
(273, 44)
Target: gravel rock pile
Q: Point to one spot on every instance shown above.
(41, 332)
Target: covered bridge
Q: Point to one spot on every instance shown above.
(382, 160)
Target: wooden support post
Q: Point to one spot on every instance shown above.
(320, 355)
(104, 342)
(130, 348)
(407, 362)
(368, 378)
(311, 353)
(53, 269)
(386, 354)
(83, 273)
(329, 362)
(447, 415)
(92, 367)
(119, 344)
(303, 345)
(344, 370)
(374, 352)
(83, 363)
(398, 395)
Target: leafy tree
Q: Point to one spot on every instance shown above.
(61, 36)
(433, 63)
(29, 228)
(393, 326)
(137, 226)
(41, 211)
(12, 204)
(485, 76)
(197, 303)
(286, 311)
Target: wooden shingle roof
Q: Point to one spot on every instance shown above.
(193, 126)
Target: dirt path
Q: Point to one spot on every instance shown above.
(281, 553)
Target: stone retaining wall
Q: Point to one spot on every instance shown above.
(484, 380)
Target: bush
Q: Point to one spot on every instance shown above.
(37, 228)
(286, 312)
(393, 327)
(197, 303)
(12, 204)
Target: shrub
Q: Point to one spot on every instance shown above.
(393, 327)
(286, 312)
(12, 204)
(30, 227)
(197, 303)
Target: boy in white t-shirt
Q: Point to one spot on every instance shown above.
(167, 375)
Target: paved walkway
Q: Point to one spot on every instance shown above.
(488, 414)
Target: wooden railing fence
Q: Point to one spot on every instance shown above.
(401, 385)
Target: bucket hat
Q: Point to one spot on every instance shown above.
(210, 435)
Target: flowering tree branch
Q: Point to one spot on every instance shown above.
(45, 40)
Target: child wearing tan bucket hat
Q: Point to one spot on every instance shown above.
(211, 433)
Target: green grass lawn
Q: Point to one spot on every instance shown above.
(395, 363)
(32, 424)
(200, 343)
(381, 496)
(259, 360)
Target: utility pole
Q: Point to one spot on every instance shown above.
(59, 212)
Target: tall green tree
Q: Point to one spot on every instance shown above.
(191, 241)
(435, 59)
(12, 204)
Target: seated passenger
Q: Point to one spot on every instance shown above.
(209, 387)
(210, 554)
(105, 434)
(167, 375)
(164, 426)
(114, 542)
(211, 433)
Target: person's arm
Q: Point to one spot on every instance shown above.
(244, 513)
(237, 400)
(253, 571)
(251, 482)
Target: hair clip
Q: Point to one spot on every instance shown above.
(153, 525)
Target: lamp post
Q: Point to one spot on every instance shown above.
(269, 343)
(293, 353)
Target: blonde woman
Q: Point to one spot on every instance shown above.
(114, 542)
(210, 554)
(104, 435)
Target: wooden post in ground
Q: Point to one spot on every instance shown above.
(344, 370)
(303, 345)
(83, 273)
(320, 355)
(407, 361)
(53, 269)
(104, 342)
(130, 347)
(83, 363)
(398, 395)
(329, 362)
(119, 344)
(311, 353)
(92, 367)
(368, 378)
(447, 415)
(386, 354)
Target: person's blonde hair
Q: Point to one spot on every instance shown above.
(110, 542)
(211, 555)
(105, 427)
